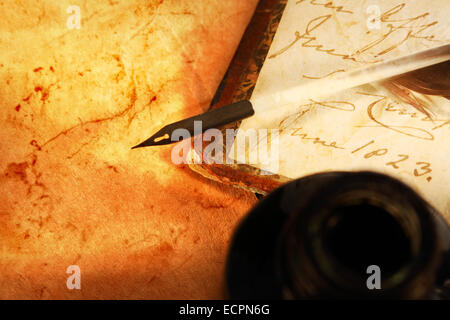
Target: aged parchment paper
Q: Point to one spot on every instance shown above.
(72, 104)
(360, 128)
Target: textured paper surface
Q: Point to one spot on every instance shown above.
(72, 104)
(364, 127)
(318, 42)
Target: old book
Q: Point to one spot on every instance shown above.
(371, 127)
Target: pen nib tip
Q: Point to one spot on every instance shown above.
(140, 145)
(154, 140)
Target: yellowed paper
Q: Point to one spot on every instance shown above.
(363, 127)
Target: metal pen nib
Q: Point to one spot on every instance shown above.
(211, 119)
(159, 138)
